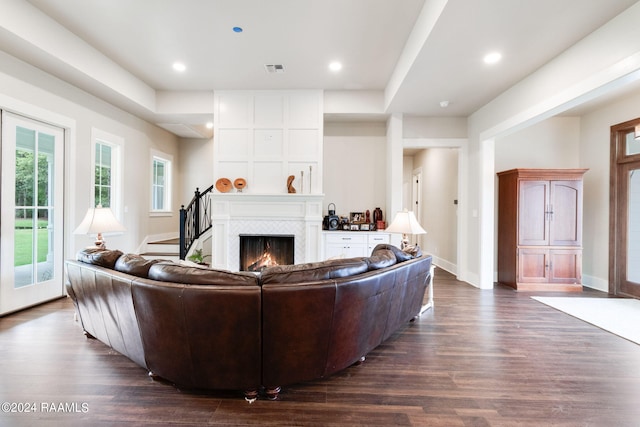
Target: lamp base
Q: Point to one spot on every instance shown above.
(100, 242)
(404, 242)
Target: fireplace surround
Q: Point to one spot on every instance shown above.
(235, 214)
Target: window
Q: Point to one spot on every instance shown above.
(107, 190)
(102, 179)
(160, 182)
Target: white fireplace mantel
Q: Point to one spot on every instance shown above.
(233, 214)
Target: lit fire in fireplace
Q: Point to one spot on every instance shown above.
(266, 260)
(258, 252)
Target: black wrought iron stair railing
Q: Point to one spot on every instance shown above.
(195, 219)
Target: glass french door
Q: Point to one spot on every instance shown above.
(31, 213)
(633, 224)
(629, 245)
(625, 210)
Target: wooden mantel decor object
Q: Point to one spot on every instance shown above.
(540, 229)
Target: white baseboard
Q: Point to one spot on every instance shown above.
(452, 268)
(595, 283)
(445, 265)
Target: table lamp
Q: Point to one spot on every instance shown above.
(405, 222)
(99, 220)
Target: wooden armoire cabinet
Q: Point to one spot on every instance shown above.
(540, 229)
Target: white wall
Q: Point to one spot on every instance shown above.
(355, 167)
(267, 136)
(31, 90)
(553, 143)
(195, 166)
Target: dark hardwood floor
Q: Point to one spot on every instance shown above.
(480, 358)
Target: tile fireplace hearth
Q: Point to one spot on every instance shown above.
(235, 214)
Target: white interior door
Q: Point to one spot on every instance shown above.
(31, 213)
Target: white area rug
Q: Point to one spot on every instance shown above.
(620, 316)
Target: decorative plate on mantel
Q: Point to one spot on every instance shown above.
(223, 185)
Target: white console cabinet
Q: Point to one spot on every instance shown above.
(348, 244)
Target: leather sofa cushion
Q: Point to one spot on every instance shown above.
(170, 272)
(400, 255)
(314, 271)
(98, 256)
(135, 265)
(381, 258)
(413, 250)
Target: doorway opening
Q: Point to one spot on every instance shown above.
(431, 190)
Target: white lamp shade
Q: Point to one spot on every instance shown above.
(405, 222)
(99, 220)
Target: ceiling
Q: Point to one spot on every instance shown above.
(418, 53)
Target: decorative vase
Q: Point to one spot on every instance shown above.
(377, 215)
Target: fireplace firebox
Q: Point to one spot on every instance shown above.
(258, 252)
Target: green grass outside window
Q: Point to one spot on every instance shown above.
(23, 238)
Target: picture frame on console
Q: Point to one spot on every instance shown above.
(356, 217)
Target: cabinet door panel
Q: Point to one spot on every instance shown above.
(566, 266)
(565, 227)
(376, 239)
(355, 251)
(333, 250)
(345, 245)
(532, 213)
(533, 265)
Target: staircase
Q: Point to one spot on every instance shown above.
(195, 220)
(195, 223)
(163, 249)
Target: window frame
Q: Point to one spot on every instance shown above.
(167, 159)
(116, 143)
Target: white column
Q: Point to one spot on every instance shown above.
(487, 209)
(394, 171)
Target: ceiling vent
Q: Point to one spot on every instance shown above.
(274, 68)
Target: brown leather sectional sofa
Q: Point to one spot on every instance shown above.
(212, 329)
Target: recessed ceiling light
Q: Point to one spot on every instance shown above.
(209, 125)
(335, 66)
(237, 29)
(444, 104)
(179, 66)
(492, 58)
